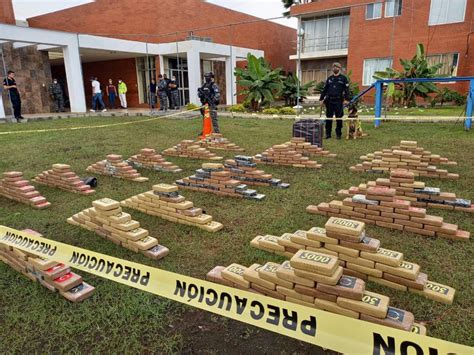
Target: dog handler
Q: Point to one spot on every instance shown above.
(335, 91)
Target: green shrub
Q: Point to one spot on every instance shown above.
(271, 111)
(191, 106)
(287, 111)
(238, 108)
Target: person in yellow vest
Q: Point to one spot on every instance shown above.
(122, 91)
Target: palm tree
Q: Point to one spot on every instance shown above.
(261, 83)
(417, 67)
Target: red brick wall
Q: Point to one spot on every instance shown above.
(6, 12)
(154, 17)
(373, 38)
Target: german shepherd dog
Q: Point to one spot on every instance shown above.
(353, 124)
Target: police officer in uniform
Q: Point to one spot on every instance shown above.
(10, 84)
(173, 87)
(56, 93)
(209, 94)
(162, 88)
(333, 95)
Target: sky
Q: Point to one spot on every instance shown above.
(259, 8)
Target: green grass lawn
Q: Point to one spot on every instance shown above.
(126, 320)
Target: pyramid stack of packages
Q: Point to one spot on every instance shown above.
(115, 166)
(212, 177)
(359, 255)
(165, 201)
(190, 149)
(300, 145)
(217, 141)
(420, 195)
(107, 219)
(62, 177)
(52, 275)
(285, 155)
(148, 159)
(381, 206)
(243, 168)
(14, 187)
(315, 280)
(406, 156)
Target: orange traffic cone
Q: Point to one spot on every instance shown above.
(206, 122)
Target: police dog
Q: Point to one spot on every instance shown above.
(353, 124)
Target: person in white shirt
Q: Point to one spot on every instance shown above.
(97, 95)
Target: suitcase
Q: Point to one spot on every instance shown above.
(310, 130)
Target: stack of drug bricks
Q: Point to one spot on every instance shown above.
(190, 149)
(213, 178)
(164, 201)
(147, 158)
(286, 155)
(243, 168)
(62, 177)
(108, 220)
(406, 156)
(420, 195)
(115, 166)
(381, 206)
(15, 187)
(217, 141)
(52, 275)
(359, 255)
(300, 145)
(314, 280)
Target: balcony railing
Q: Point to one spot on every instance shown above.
(323, 44)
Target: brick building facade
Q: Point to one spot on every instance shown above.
(368, 35)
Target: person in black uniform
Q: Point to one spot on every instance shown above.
(209, 93)
(10, 84)
(168, 90)
(333, 95)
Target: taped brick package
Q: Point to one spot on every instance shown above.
(315, 280)
(359, 256)
(307, 149)
(14, 187)
(107, 219)
(212, 177)
(190, 149)
(165, 201)
(381, 206)
(244, 168)
(284, 154)
(217, 141)
(148, 158)
(420, 195)
(408, 156)
(115, 166)
(62, 177)
(52, 275)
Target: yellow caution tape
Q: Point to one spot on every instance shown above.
(98, 126)
(329, 330)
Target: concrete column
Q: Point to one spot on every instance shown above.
(230, 79)
(194, 74)
(75, 83)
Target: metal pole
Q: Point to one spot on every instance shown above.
(469, 107)
(231, 74)
(378, 102)
(298, 68)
